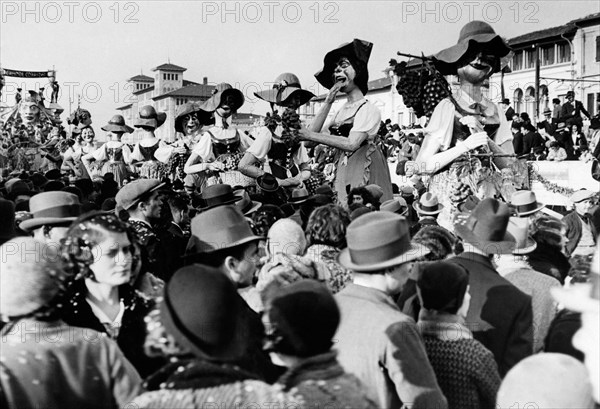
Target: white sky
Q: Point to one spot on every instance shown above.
(96, 46)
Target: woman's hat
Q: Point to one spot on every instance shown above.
(30, 277)
(219, 93)
(485, 227)
(428, 204)
(190, 108)
(267, 182)
(358, 51)
(203, 311)
(51, 208)
(117, 124)
(218, 195)
(149, 118)
(519, 228)
(303, 318)
(219, 228)
(299, 195)
(246, 205)
(472, 34)
(286, 85)
(398, 206)
(442, 286)
(524, 203)
(377, 241)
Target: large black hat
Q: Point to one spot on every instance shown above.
(358, 52)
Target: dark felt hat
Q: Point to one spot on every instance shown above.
(442, 286)
(220, 92)
(357, 51)
(51, 208)
(53, 174)
(377, 241)
(485, 227)
(267, 182)
(203, 311)
(191, 108)
(149, 118)
(219, 228)
(246, 205)
(286, 85)
(117, 124)
(303, 318)
(130, 194)
(218, 195)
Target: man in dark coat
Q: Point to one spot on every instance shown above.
(571, 111)
(500, 315)
(508, 110)
(563, 137)
(581, 232)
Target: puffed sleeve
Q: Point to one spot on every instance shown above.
(127, 156)
(100, 153)
(137, 153)
(204, 148)
(164, 151)
(441, 124)
(367, 119)
(262, 144)
(503, 134)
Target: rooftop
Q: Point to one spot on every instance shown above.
(550, 33)
(142, 78)
(169, 67)
(190, 91)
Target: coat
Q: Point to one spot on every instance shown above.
(574, 225)
(500, 315)
(383, 348)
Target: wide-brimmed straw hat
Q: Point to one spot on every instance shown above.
(519, 228)
(286, 85)
(194, 108)
(473, 34)
(485, 227)
(203, 311)
(117, 124)
(428, 204)
(51, 208)
(149, 118)
(219, 93)
(524, 203)
(377, 241)
(357, 51)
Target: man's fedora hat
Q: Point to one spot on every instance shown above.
(117, 124)
(203, 311)
(581, 195)
(398, 206)
(561, 126)
(267, 182)
(506, 101)
(377, 241)
(299, 195)
(51, 208)
(519, 228)
(485, 227)
(130, 194)
(246, 205)
(149, 118)
(286, 85)
(219, 228)
(524, 203)
(428, 204)
(218, 195)
(473, 34)
(220, 92)
(357, 51)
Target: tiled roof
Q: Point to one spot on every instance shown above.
(545, 34)
(142, 78)
(169, 67)
(124, 107)
(143, 91)
(202, 91)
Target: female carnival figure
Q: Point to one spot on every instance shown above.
(114, 153)
(83, 145)
(145, 148)
(466, 120)
(355, 125)
(219, 147)
(277, 144)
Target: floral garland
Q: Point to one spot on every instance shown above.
(550, 186)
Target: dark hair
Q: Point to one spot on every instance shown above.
(263, 219)
(525, 116)
(327, 225)
(555, 101)
(363, 192)
(529, 127)
(438, 240)
(178, 202)
(554, 144)
(541, 125)
(548, 230)
(516, 125)
(217, 258)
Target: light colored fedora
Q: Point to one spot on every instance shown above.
(428, 204)
(518, 227)
(524, 203)
(51, 208)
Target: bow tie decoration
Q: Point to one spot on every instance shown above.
(477, 107)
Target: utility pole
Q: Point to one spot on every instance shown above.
(537, 81)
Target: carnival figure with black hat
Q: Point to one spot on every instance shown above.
(115, 154)
(143, 152)
(466, 121)
(219, 149)
(355, 126)
(277, 144)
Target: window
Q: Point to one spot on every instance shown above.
(598, 48)
(164, 77)
(177, 77)
(518, 100)
(547, 55)
(529, 58)
(563, 52)
(517, 61)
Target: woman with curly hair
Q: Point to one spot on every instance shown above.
(360, 196)
(326, 237)
(102, 260)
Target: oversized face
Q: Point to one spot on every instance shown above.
(228, 106)
(30, 112)
(113, 259)
(294, 101)
(87, 135)
(477, 69)
(345, 74)
(114, 136)
(191, 124)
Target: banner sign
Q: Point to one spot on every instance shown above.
(27, 74)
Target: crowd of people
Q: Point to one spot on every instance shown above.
(283, 268)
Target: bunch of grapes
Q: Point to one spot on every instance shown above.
(231, 161)
(290, 120)
(434, 91)
(272, 120)
(460, 193)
